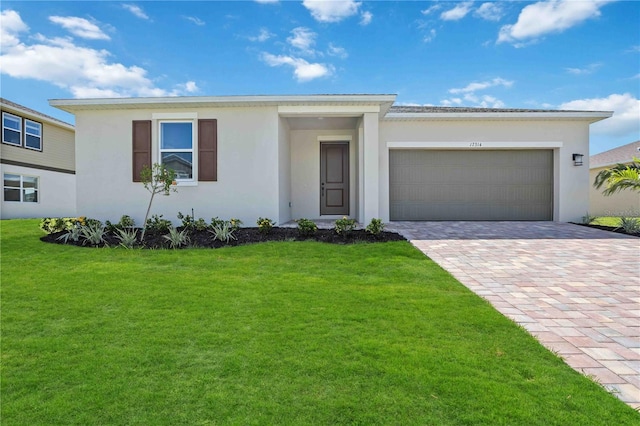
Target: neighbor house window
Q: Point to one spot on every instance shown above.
(177, 148)
(32, 134)
(19, 188)
(11, 129)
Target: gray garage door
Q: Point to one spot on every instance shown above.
(471, 185)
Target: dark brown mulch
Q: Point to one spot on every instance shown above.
(607, 228)
(206, 239)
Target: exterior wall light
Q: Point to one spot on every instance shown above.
(577, 159)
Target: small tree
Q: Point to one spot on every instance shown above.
(156, 180)
(619, 177)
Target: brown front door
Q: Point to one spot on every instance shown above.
(334, 178)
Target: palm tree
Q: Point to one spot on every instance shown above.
(619, 177)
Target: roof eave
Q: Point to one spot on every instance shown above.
(591, 116)
(34, 115)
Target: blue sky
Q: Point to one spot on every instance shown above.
(550, 54)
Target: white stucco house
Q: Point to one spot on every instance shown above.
(623, 203)
(328, 156)
(37, 164)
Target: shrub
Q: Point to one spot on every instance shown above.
(156, 180)
(265, 225)
(344, 226)
(235, 224)
(216, 221)
(51, 225)
(306, 227)
(176, 238)
(375, 227)
(187, 221)
(223, 232)
(72, 234)
(200, 224)
(157, 224)
(630, 225)
(93, 232)
(127, 237)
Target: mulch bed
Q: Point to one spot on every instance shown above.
(205, 239)
(607, 228)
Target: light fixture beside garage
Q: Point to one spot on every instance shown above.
(577, 159)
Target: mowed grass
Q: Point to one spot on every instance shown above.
(276, 333)
(607, 221)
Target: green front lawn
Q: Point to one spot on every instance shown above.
(274, 333)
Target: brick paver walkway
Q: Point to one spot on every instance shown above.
(576, 289)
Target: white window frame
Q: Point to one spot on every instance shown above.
(21, 188)
(26, 133)
(16, 118)
(194, 151)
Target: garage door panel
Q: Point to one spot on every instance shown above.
(471, 185)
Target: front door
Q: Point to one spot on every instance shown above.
(334, 178)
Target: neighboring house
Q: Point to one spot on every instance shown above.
(623, 203)
(37, 164)
(328, 156)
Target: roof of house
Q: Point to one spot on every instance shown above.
(387, 110)
(7, 104)
(622, 154)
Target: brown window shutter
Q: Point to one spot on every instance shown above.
(141, 147)
(208, 150)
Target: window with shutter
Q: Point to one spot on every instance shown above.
(141, 147)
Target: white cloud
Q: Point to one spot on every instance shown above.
(262, 36)
(633, 49)
(431, 9)
(199, 22)
(303, 70)
(429, 38)
(589, 69)
(188, 87)
(626, 110)
(549, 16)
(11, 25)
(457, 13)
(80, 27)
(331, 11)
(473, 87)
(338, 51)
(366, 18)
(136, 10)
(303, 39)
(83, 71)
(490, 12)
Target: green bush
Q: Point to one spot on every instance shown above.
(306, 227)
(630, 225)
(375, 227)
(93, 232)
(265, 225)
(235, 223)
(344, 226)
(224, 231)
(51, 225)
(176, 238)
(157, 224)
(128, 237)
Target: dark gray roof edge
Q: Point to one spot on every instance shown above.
(400, 109)
(33, 112)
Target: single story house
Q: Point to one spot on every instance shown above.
(623, 203)
(37, 164)
(328, 156)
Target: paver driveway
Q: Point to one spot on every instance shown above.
(577, 289)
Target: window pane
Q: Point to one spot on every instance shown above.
(32, 128)
(11, 136)
(11, 194)
(176, 135)
(11, 122)
(12, 180)
(33, 142)
(30, 196)
(180, 162)
(29, 182)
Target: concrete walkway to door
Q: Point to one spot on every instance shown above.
(576, 289)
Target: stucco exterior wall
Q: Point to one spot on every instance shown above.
(623, 203)
(571, 183)
(56, 197)
(305, 171)
(248, 154)
(284, 166)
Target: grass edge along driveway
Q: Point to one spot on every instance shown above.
(275, 333)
